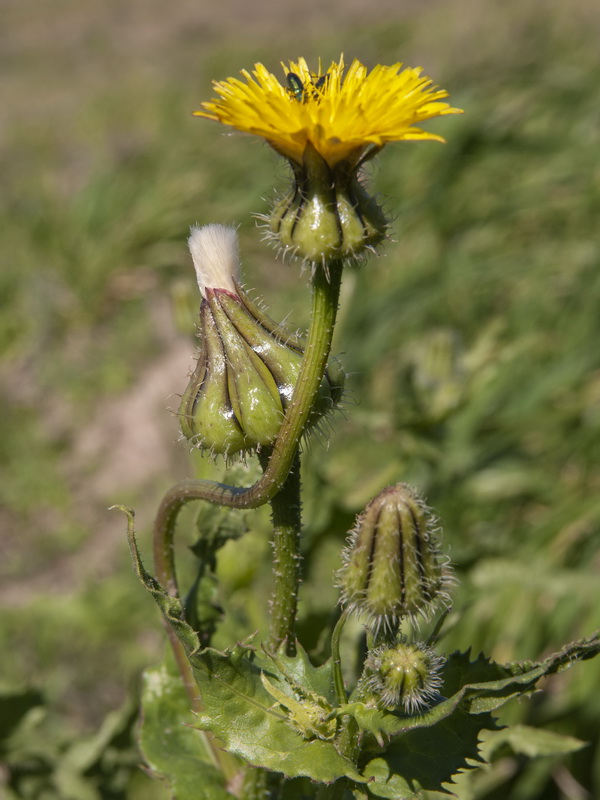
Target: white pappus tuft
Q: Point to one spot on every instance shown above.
(215, 253)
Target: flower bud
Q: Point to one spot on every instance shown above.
(393, 567)
(403, 674)
(247, 366)
(327, 214)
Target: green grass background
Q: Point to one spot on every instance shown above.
(473, 343)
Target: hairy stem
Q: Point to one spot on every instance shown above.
(287, 523)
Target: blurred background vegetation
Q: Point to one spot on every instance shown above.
(473, 347)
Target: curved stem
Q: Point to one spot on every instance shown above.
(326, 289)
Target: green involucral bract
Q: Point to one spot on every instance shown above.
(393, 567)
(245, 377)
(327, 213)
(403, 675)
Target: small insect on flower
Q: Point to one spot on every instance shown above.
(295, 86)
(342, 112)
(299, 90)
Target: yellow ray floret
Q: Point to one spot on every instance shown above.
(341, 115)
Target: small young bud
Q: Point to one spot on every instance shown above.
(247, 366)
(393, 567)
(327, 214)
(406, 675)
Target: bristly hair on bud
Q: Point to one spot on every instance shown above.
(403, 675)
(215, 253)
(393, 567)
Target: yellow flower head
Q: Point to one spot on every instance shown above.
(341, 115)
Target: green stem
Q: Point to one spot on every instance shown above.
(338, 678)
(347, 741)
(287, 523)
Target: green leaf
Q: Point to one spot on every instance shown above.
(532, 742)
(299, 668)
(241, 712)
(43, 759)
(459, 670)
(476, 687)
(86, 759)
(171, 607)
(426, 758)
(172, 747)
(427, 750)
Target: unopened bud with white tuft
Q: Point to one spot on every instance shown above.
(247, 366)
